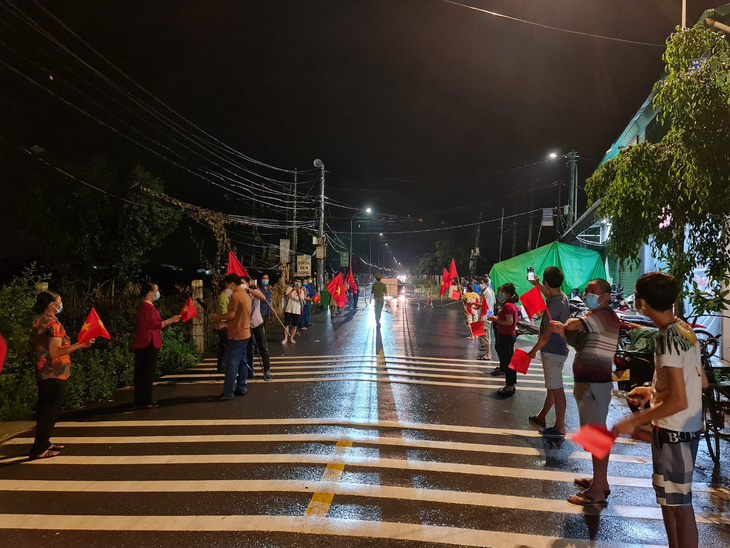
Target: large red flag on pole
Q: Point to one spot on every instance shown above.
(453, 276)
(92, 328)
(533, 302)
(351, 281)
(445, 283)
(3, 351)
(338, 290)
(189, 311)
(235, 266)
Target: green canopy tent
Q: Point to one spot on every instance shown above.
(579, 266)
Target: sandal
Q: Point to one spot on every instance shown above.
(47, 454)
(506, 392)
(54, 447)
(585, 484)
(482, 358)
(584, 499)
(534, 420)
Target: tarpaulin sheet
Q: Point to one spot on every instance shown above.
(578, 265)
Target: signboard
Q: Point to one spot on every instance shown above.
(304, 265)
(321, 252)
(547, 216)
(344, 258)
(284, 247)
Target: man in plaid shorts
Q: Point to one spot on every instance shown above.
(676, 406)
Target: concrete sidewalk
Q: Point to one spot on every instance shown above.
(10, 429)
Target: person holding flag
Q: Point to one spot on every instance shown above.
(472, 304)
(506, 319)
(53, 367)
(147, 343)
(553, 351)
(295, 298)
(485, 311)
(377, 294)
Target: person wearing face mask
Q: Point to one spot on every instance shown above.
(147, 343)
(221, 308)
(592, 370)
(295, 297)
(265, 289)
(506, 319)
(53, 367)
(306, 319)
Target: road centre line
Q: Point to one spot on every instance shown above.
(392, 379)
(310, 525)
(326, 438)
(321, 501)
(438, 496)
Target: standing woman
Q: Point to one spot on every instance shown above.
(506, 335)
(147, 344)
(53, 368)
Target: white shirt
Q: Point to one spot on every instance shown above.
(294, 305)
(677, 346)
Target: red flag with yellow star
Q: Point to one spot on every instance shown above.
(338, 291)
(445, 283)
(189, 311)
(93, 327)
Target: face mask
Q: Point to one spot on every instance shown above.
(228, 292)
(264, 282)
(157, 296)
(297, 284)
(500, 296)
(482, 286)
(60, 308)
(591, 301)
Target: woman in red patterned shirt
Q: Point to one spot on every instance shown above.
(53, 367)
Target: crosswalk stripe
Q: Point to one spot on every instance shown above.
(307, 421)
(468, 498)
(329, 438)
(311, 525)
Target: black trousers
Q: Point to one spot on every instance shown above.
(145, 364)
(50, 396)
(505, 348)
(262, 349)
(222, 345)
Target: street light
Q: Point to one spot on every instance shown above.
(368, 210)
(383, 245)
(370, 255)
(323, 247)
(572, 163)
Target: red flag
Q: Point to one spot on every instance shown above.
(3, 351)
(533, 301)
(456, 295)
(235, 266)
(92, 328)
(338, 290)
(453, 276)
(477, 329)
(189, 311)
(596, 439)
(351, 281)
(445, 283)
(316, 298)
(520, 361)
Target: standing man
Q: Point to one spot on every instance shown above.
(472, 304)
(377, 294)
(676, 406)
(553, 352)
(221, 307)
(238, 323)
(485, 311)
(592, 369)
(258, 332)
(355, 295)
(295, 298)
(306, 320)
(265, 290)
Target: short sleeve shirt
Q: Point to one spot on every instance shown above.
(559, 309)
(470, 299)
(46, 328)
(380, 290)
(294, 305)
(677, 346)
(221, 305)
(508, 309)
(594, 363)
(239, 328)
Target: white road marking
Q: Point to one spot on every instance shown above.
(300, 525)
(439, 496)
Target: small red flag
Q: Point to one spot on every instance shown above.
(477, 329)
(445, 283)
(452, 272)
(533, 301)
(92, 328)
(316, 298)
(3, 351)
(520, 361)
(338, 290)
(235, 266)
(596, 439)
(351, 281)
(456, 295)
(189, 311)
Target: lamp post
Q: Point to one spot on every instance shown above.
(370, 256)
(368, 210)
(572, 163)
(320, 256)
(380, 246)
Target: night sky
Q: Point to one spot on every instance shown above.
(424, 110)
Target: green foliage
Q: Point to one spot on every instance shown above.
(434, 263)
(684, 180)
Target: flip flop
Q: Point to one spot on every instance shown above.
(54, 447)
(534, 420)
(585, 484)
(584, 499)
(482, 358)
(552, 433)
(47, 454)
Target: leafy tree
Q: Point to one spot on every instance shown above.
(675, 194)
(434, 263)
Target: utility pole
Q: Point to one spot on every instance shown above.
(501, 236)
(514, 238)
(573, 165)
(531, 217)
(475, 251)
(293, 250)
(323, 246)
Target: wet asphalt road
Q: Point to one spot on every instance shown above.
(365, 437)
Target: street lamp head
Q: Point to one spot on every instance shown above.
(318, 163)
(369, 210)
(380, 234)
(553, 155)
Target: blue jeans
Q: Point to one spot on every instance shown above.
(236, 366)
(306, 318)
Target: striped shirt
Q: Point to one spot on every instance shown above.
(594, 363)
